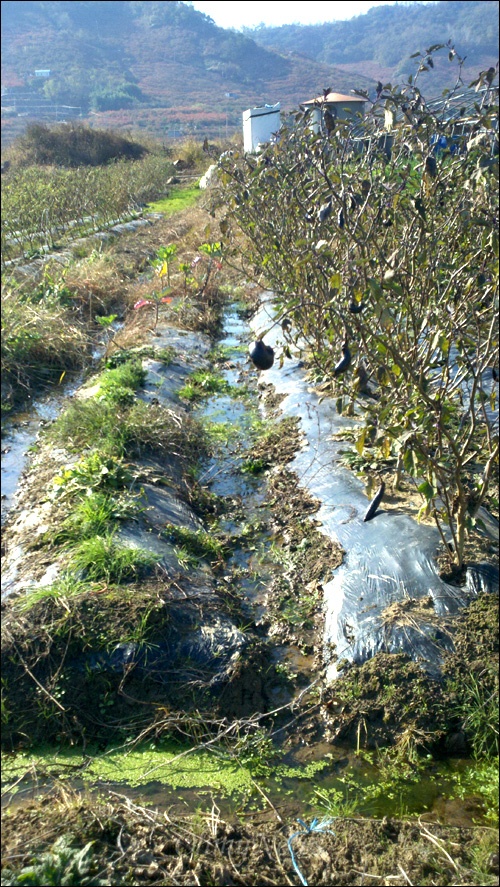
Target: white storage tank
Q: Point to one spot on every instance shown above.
(258, 126)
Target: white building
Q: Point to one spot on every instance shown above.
(259, 124)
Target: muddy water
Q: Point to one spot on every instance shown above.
(19, 435)
(224, 477)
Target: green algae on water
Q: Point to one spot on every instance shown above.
(170, 766)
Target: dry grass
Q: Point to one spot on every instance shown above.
(38, 345)
(96, 285)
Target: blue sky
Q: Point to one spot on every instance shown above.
(307, 12)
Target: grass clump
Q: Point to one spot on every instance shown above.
(203, 383)
(196, 543)
(65, 587)
(117, 430)
(477, 709)
(96, 514)
(39, 344)
(87, 424)
(119, 385)
(103, 558)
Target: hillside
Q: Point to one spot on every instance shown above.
(160, 66)
(379, 43)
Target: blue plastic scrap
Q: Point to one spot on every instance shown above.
(315, 826)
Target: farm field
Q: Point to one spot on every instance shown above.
(174, 707)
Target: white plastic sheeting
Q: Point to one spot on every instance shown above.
(388, 560)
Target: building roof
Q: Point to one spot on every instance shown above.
(334, 97)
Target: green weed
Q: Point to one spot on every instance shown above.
(93, 472)
(482, 780)
(119, 384)
(103, 558)
(482, 854)
(95, 515)
(300, 612)
(254, 466)
(196, 543)
(203, 383)
(478, 710)
(223, 353)
(62, 864)
(221, 432)
(65, 587)
(335, 802)
(125, 430)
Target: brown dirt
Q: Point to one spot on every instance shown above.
(135, 845)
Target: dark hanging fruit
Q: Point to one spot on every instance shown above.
(261, 355)
(325, 211)
(344, 362)
(374, 504)
(356, 307)
(430, 165)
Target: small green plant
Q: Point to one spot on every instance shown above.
(300, 611)
(482, 780)
(478, 710)
(103, 558)
(66, 586)
(96, 514)
(164, 257)
(196, 543)
(256, 752)
(336, 802)
(203, 383)
(51, 291)
(221, 432)
(90, 423)
(119, 384)
(254, 466)
(94, 472)
(482, 854)
(185, 269)
(62, 864)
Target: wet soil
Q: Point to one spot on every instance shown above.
(135, 845)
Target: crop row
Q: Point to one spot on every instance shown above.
(40, 204)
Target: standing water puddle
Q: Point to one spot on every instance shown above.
(224, 476)
(20, 435)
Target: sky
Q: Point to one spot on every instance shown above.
(281, 12)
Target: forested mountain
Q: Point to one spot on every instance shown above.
(167, 68)
(162, 66)
(380, 42)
